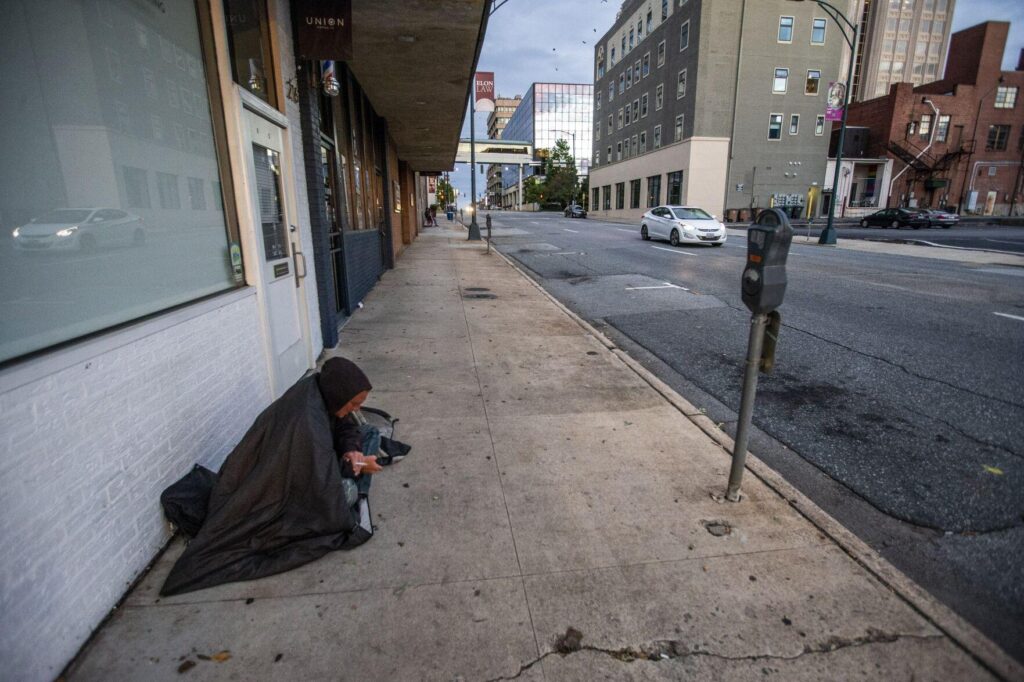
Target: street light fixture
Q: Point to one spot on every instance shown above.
(828, 235)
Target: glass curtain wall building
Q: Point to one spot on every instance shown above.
(550, 112)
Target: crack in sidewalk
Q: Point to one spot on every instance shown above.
(667, 650)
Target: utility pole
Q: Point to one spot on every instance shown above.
(474, 228)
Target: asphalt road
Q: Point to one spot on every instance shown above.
(966, 235)
(896, 403)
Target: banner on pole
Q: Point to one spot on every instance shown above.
(836, 101)
(484, 89)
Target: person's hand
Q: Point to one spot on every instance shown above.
(361, 464)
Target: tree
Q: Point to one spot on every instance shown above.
(559, 184)
(533, 190)
(445, 193)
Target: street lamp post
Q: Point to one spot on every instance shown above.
(474, 228)
(573, 135)
(828, 235)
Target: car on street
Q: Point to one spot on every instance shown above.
(679, 224)
(896, 218)
(79, 229)
(575, 211)
(937, 218)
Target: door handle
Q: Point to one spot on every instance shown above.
(296, 255)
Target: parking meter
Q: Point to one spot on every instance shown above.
(764, 278)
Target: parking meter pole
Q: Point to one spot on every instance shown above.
(739, 451)
(488, 233)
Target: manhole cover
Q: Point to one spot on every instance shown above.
(479, 296)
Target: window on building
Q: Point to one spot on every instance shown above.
(650, 21)
(938, 27)
(606, 191)
(677, 135)
(664, 10)
(818, 32)
(625, 148)
(595, 198)
(629, 77)
(681, 84)
(600, 69)
(620, 120)
(926, 126)
(608, 155)
(661, 53)
(611, 124)
(611, 91)
(636, 110)
(647, 64)
(675, 188)
(634, 193)
(618, 151)
(781, 82)
(785, 29)
(643, 106)
(137, 202)
(636, 71)
(643, 141)
(997, 137)
(1006, 97)
(622, 83)
(794, 124)
(819, 125)
(631, 36)
(613, 57)
(659, 97)
(684, 35)
(249, 48)
(942, 129)
(653, 191)
(657, 137)
(628, 119)
(639, 31)
(904, 26)
(620, 195)
(597, 101)
(813, 82)
(635, 146)
(623, 50)
(775, 126)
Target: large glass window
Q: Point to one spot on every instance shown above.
(818, 32)
(684, 36)
(620, 195)
(103, 211)
(675, 188)
(785, 29)
(1006, 97)
(942, 129)
(997, 137)
(634, 193)
(606, 192)
(653, 191)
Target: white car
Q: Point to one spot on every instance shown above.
(680, 224)
(81, 229)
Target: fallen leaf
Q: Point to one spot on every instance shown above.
(221, 656)
(186, 666)
(995, 471)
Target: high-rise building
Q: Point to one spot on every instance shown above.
(547, 113)
(504, 107)
(902, 41)
(715, 104)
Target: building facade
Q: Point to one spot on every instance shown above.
(957, 142)
(504, 107)
(716, 104)
(187, 210)
(549, 112)
(902, 41)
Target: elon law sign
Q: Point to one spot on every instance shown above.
(484, 86)
(324, 29)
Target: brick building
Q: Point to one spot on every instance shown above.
(957, 141)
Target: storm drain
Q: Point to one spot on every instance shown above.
(477, 289)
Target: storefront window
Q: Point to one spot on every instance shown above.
(103, 210)
(249, 45)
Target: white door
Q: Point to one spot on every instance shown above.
(273, 238)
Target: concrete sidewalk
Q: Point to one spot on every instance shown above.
(552, 490)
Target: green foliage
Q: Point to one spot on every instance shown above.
(560, 179)
(445, 193)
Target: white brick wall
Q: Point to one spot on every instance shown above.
(86, 452)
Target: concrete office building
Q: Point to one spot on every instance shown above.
(547, 113)
(186, 215)
(504, 107)
(719, 105)
(902, 41)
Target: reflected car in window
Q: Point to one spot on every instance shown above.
(80, 229)
(680, 224)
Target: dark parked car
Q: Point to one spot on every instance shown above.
(944, 219)
(575, 211)
(896, 217)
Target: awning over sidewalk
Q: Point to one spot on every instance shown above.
(415, 59)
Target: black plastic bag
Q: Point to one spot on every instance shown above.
(186, 500)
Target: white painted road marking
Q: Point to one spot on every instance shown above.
(682, 253)
(622, 229)
(568, 230)
(1012, 317)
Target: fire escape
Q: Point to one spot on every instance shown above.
(928, 167)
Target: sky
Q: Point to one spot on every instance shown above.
(536, 41)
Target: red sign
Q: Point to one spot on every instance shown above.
(484, 87)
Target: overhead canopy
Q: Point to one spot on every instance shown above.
(415, 60)
(496, 151)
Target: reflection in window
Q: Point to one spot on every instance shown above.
(249, 45)
(99, 231)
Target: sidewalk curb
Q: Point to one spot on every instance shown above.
(965, 635)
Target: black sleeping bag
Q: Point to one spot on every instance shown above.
(278, 501)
